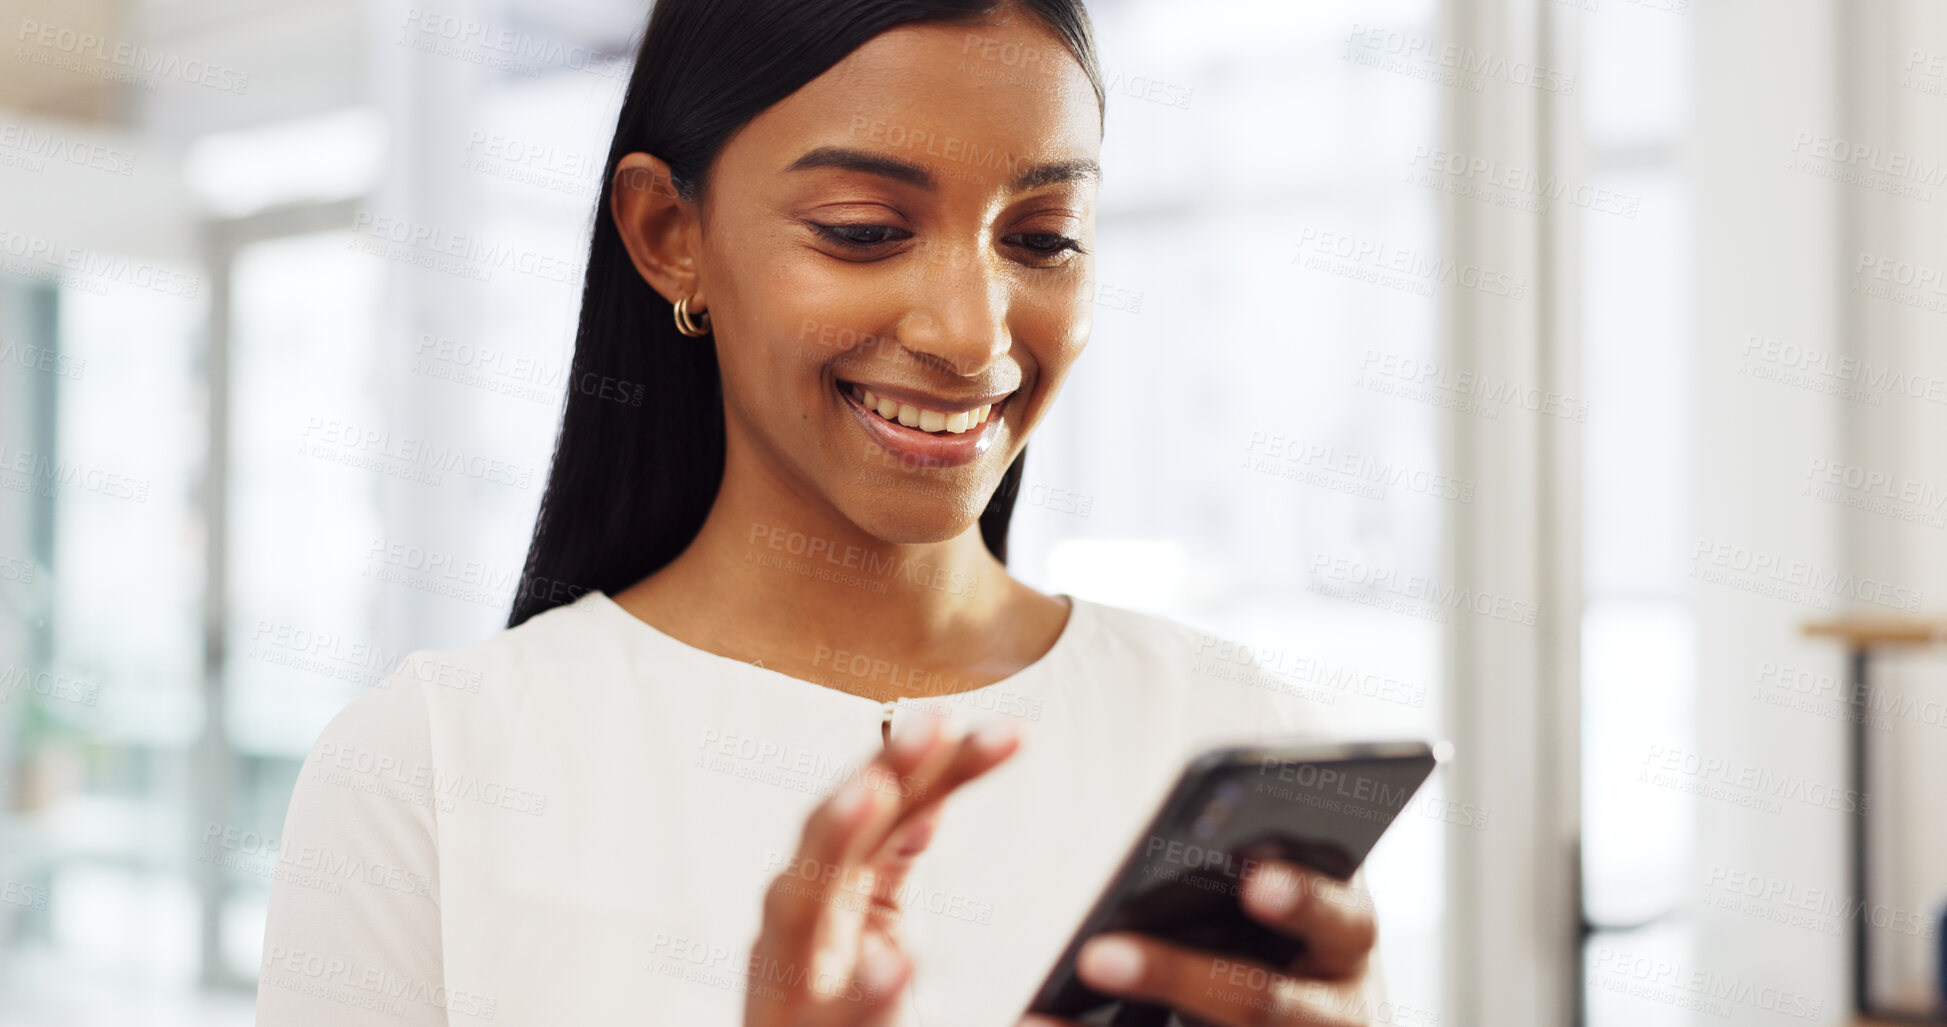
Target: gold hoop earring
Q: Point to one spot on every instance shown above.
(692, 327)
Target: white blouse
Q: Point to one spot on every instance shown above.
(573, 822)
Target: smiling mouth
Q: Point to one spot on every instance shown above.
(934, 422)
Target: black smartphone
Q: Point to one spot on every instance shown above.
(1322, 804)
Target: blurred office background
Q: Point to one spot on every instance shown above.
(1518, 372)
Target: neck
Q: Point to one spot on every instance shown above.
(786, 577)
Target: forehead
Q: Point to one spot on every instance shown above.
(940, 94)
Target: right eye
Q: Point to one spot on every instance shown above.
(862, 237)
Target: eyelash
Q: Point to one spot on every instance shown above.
(838, 234)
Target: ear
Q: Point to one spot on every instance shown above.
(661, 231)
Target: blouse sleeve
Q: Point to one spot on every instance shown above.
(353, 932)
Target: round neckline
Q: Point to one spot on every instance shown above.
(1064, 641)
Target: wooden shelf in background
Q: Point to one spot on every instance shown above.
(1875, 630)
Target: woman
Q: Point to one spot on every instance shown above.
(847, 241)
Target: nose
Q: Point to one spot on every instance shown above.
(958, 314)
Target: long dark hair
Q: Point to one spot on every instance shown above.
(640, 455)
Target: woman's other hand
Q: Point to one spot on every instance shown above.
(1325, 987)
(829, 951)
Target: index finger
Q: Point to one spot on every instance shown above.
(924, 764)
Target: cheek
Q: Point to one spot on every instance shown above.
(815, 309)
(1055, 329)
(785, 321)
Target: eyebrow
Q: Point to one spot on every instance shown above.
(914, 174)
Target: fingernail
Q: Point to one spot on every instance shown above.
(992, 736)
(912, 733)
(849, 799)
(1111, 962)
(1275, 890)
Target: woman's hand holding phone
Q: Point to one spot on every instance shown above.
(1324, 987)
(829, 952)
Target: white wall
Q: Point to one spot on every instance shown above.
(1776, 234)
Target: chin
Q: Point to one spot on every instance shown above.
(915, 516)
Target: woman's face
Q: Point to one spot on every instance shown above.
(896, 264)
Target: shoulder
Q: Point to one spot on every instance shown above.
(436, 693)
(1142, 634)
(1202, 671)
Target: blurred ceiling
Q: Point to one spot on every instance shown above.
(301, 57)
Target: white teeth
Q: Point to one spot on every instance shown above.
(957, 423)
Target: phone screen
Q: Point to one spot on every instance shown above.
(1323, 806)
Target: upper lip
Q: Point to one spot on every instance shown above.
(927, 400)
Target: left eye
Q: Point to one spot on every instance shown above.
(1044, 243)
